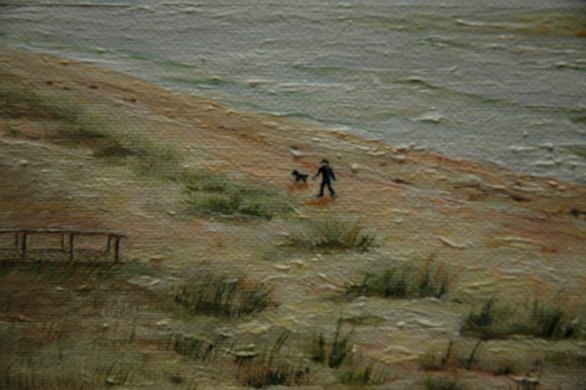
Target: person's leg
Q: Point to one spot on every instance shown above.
(321, 189)
(332, 192)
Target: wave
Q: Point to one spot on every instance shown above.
(149, 57)
(213, 81)
(323, 70)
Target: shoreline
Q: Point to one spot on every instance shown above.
(529, 163)
(265, 129)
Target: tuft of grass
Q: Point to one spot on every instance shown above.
(207, 182)
(115, 373)
(114, 149)
(332, 353)
(566, 358)
(153, 160)
(13, 131)
(433, 361)
(195, 348)
(221, 204)
(484, 318)
(58, 272)
(442, 383)
(272, 369)
(59, 367)
(357, 376)
(432, 280)
(505, 369)
(335, 234)
(546, 321)
(221, 296)
(451, 358)
(212, 193)
(392, 282)
(282, 373)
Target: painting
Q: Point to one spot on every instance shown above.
(318, 194)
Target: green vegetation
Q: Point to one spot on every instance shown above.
(431, 280)
(271, 369)
(442, 383)
(432, 361)
(13, 131)
(547, 321)
(362, 376)
(551, 322)
(56, 366)
(59, 272)
(332, 353)
(210, 193)
(207, 182)
(51, 347)
(487, 321)
(334, 234)
(390, 283)
(67, 122)
(193, 347)
(234, 204)
(222, 296)
(567, 358)
(468, 358)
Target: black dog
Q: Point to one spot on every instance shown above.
(299, 176)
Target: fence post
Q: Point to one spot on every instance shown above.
(16, 239)
(24, 245)
(63, 242)
(116, 249)
(71, 245)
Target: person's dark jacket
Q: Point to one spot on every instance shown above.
(326, 173)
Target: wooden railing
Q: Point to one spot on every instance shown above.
(23, 237)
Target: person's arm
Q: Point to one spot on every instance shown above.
(333, 175)
(317, 174)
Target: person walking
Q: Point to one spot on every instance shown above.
(327, 175)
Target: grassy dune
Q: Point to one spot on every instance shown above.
(426, 273)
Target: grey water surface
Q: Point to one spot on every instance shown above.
(494, 81)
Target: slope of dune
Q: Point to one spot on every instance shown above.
(202, 189)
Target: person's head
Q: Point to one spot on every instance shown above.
(325, 162)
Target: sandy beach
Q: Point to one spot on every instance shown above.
(85, 147)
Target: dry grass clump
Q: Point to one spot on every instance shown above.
(222, 296)
(272, 368)
(442, 383)
(196, 348)
(333, 352)
(357, 376)
(334, 234)
(431, 280)
(212, 193)
(62, 366)
(451, 358)
(547, 321)
(362, 372)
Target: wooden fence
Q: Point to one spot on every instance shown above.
(22, 240)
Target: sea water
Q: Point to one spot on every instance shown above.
(495, 81)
